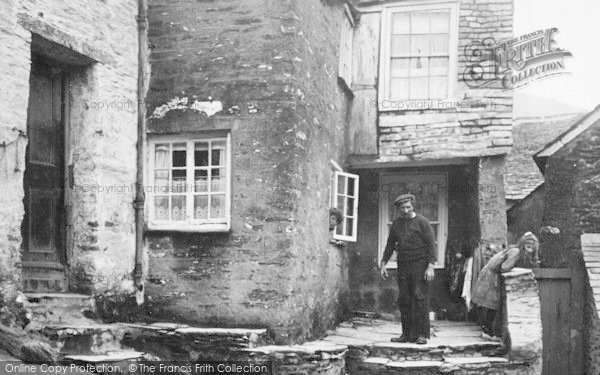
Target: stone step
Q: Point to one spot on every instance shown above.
(450, 365)
(182, 342)
(117, 362)
(85, 339)
(48, 308)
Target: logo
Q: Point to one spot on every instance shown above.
(514, 63)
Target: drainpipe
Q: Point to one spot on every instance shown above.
(138, 203)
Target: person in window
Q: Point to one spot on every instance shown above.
(487, 294)
(411, 236)
(335, 218)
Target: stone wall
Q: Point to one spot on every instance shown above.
(472, 122)
(523, 318)
(103, 107)
(572, 206)
(271, 65)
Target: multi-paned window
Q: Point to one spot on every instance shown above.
(190, 184)
(345, 199)
(419, 52)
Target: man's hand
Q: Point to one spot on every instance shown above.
(383, 271)
(429, 274)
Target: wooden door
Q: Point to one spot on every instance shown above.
(561, 298)
(43, 223)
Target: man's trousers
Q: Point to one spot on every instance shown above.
(413, 299)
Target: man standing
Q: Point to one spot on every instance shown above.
(411, 236)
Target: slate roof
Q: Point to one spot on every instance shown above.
(590, 245)
(522, 174)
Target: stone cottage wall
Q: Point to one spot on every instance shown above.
(272, 66)
(572, 205)
(103, 106)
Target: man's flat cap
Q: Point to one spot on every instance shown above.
(404, 198)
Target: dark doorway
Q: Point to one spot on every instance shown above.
(43, 227)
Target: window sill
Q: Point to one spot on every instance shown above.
(189, 228)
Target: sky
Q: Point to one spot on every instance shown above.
(578, 22)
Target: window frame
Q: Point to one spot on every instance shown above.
(385, 48)
(189, 225)
(336, 175)
(442, 235)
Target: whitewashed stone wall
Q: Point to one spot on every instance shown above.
(103, 101)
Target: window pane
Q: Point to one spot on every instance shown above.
(419, 45)
(401, 23)
(399, 88)
(161, 208)
(340, 203)
(399, 68)
(418, 88)
(439, 44)
(201, 207)
(218, 153)
(201, 154)
(419, 67)
(217, 180)
(350, 207)
(438, 87)
(201, 181)
(179, 181)
(179, 152)
(161, 156)
(350, 190)
(341, 184)
(178, 208)
(440, 22)
(438, 66)
(349, 227)
(400, 45)
(419, 22)
(217, 206)
(161, 181)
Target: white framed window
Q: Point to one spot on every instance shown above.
(345, 198)
(431, 196)
(419, 52)
(189, 184)
(346, 40)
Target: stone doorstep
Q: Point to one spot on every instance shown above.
(447, 363)
(108, 357)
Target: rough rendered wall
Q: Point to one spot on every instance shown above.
(526, 215)
(368, 291)
(472, 122)
(572, 205)
(492, 206)
(272, 65)
(103, 134)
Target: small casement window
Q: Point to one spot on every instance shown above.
(190, 184)
(345, 199)
(419, 52)
(347, 36)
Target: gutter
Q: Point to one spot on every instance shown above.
(138, 203)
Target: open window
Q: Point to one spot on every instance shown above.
(345, 198)
(190, 181)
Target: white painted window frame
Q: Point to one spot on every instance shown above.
(189, 225)
(385, 48)
(389, 179)
(336, 176)
(346, 46)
